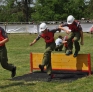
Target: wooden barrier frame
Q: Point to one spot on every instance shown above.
(62, 62)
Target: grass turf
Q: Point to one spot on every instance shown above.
(18, 53)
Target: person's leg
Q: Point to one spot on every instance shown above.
(70, 43)
(46, 61)
(48, 64)
(65, 48)
(56, 48)
(60, 47)
(4, 62)
(76, 43)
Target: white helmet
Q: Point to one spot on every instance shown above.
(42, 27)
(70, 19)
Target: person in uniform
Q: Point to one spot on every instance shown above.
(75, 33)
(48, 36)
(3, 53)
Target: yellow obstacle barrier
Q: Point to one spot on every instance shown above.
(62, 62)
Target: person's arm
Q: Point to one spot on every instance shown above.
(64, 42)
(4, 41)
(54, 30)
(81, 33)
(64, 29)
(35, 40)
(5, 37)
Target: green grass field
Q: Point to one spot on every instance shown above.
(18, 53)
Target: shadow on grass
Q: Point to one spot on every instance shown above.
(58, 76)
(15, 84)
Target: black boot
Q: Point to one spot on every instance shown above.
(42, 68)
(68, 53)
(75, 54)
(13, 72)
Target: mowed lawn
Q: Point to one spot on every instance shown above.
(19, 54)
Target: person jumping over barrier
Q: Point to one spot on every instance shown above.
(75, 34)
(48, 36)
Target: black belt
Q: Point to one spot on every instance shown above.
(50, 42)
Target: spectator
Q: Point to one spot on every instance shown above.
(91, 30)
(59, 44)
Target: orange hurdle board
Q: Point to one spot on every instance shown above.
(60, 61)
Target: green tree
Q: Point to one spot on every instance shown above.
(44, 10)
(75, 8)
(89, 10)
(13, 11)
(48, 10)
(58, 9)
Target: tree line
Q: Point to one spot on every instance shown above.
(44, 10)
